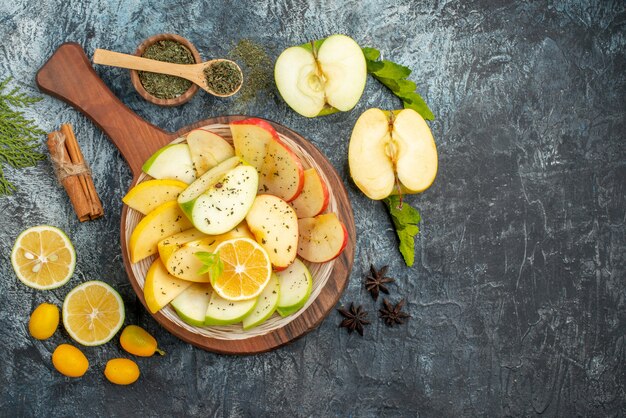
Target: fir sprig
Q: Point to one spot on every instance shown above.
(19, 137)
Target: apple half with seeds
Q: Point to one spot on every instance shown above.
(322, 77)
(392, 153)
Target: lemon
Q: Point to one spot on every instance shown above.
(93, 312)
(247, 269)
(43, 257)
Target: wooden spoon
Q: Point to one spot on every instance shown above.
(191, 72)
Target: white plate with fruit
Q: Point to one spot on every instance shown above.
(238, 236)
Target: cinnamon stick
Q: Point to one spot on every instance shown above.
(74, 174)
(86, 180)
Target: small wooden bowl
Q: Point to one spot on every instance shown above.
(134, 75)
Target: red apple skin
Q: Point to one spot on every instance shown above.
(268, 127)
(260, 123)
(324, 198)
(344, 243)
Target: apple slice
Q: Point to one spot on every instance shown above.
(392, 152)
(250, 138)
(191, 305)
(162, 222)
(226, 312)
(280, 170)
(225, 204)
(321, 238)
(321, 77)
(205, 182)
(295, 288)
(275, 226)
(171, 162)
(166, 247)
(147, 195)
(265, 306)
(314, 197)
(161, 287)
(207, 150)
(282, 174)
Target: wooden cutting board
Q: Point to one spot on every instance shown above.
(69, 76)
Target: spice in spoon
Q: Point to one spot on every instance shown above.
(223, 77)
(161, 85)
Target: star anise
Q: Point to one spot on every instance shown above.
(376, 280)
(354, 318)
(392, 314)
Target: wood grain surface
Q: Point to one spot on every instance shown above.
(69, 76)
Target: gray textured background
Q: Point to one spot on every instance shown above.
(518, 291)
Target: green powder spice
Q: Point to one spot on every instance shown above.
(161, 85)
(223, 77)
(257, 67)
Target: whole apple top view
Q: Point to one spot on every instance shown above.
(282, 208)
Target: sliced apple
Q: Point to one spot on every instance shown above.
(275, 226)
(147, 195)
(191, 305)
(295, 288)
(225, 204)
(226, 312)
(171, 162)
(207, 150)
(392, 152)
(161, 287)
(258, 144)
(323, 76)
(250, 138)
(282, 173)
(169, 245)
(321, 238)
(265, 305)
(314, 197)
(162, 222)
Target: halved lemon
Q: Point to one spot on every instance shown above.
(93, 312)
(43, 257)
(247, 269)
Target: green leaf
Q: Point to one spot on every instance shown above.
(394, 77)
(392, 70)
(371, 54)
(406, 221)
(212, 264)
(414, 101)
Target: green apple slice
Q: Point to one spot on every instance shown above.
(265, 306)
(171, 162)
(191, 305)
(221, 311)
(205, 182)
(225, 204)
(295, 288)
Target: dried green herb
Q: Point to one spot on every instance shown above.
(223, 77)
(19, 137)
(161, 85)
(257, 67)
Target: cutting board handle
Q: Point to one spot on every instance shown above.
(69, 76)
